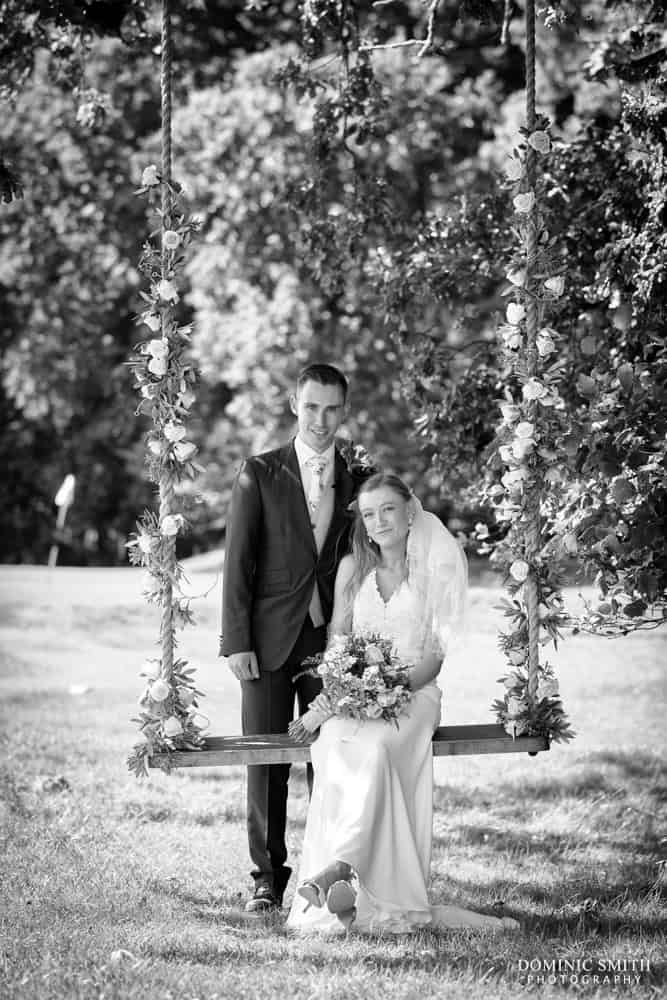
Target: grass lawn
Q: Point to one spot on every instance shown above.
(122, 889)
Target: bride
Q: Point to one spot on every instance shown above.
(367, 845)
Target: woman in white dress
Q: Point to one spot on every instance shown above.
(367, 846)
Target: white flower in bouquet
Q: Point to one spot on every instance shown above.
(374, 710)
(373, 654)
(388, 698)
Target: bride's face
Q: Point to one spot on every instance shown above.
(384, 514)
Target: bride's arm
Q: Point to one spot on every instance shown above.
(341, 617)
(426, 670)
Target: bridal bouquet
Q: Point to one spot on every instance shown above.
(363, 678)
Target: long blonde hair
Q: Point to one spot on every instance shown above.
(365, 552)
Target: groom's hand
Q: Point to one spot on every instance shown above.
(244, 665)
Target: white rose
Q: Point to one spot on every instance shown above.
(150, 176)
(155, 446)
(555, 285)
(524, 429)
(513, 341)
(510, 412)
(152, 321)
(186, 399)
(524, 202)
(373, 711)
(167, 290)
(151, 668)
(540, 141)
(481, 530)
(172, 726)
(186, 695)
(158, 366)
(387, 699)
(158, 348)
(519, 570)
(515, 313)
(174, 431)
(534, 389)
(522, 447)
(545, 345)
(184, 450)
(517, 277)
(170, 525)
(515, 706)
(171, 239)
(145, 543)
(373, 654)
(159, 690)
(513, 169)
(505, 452)
(547, 687)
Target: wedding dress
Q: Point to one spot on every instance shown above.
(372, 800)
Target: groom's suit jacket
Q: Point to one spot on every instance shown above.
(271, 559)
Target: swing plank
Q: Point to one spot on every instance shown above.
(281, 749)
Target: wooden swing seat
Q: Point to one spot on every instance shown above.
(448, 741)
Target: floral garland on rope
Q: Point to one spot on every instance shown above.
(169, 718)
(532, 466)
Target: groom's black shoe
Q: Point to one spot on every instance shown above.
(263, 900)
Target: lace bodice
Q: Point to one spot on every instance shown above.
(398, 618)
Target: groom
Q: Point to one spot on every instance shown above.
(287, 531)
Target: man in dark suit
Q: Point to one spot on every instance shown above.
(287, 531)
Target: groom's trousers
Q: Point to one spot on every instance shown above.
(267, 706)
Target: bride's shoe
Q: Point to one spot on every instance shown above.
(331, 886)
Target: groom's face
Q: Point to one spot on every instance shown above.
(319, 410)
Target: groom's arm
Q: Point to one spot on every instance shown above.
(242, 537)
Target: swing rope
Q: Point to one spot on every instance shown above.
(448, 740)
(532, 529)
(167, 477)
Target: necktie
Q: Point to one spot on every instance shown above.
(317, 464)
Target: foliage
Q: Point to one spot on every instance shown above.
(165, 379)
